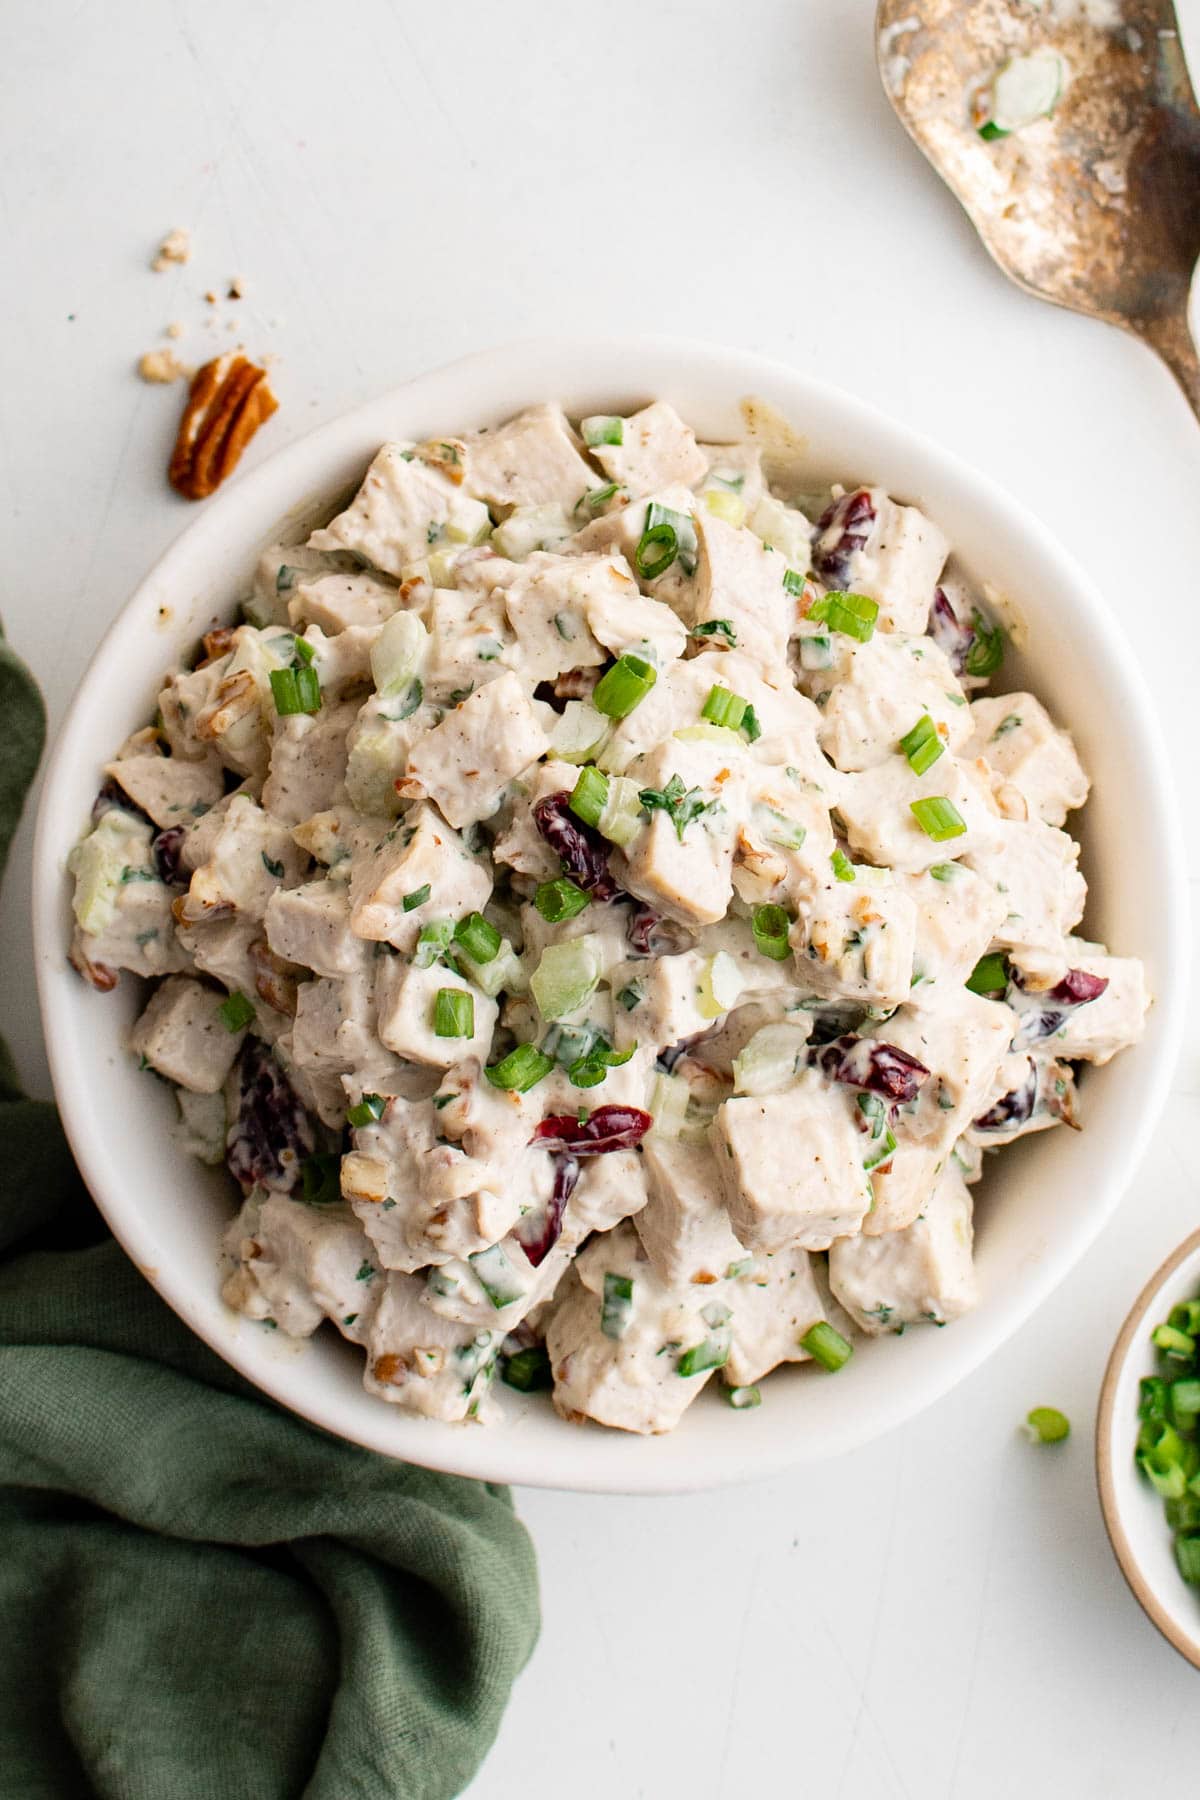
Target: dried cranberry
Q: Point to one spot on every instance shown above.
(842, 529)
(1014, 1108)
(649, 934)
(582, 851)
(538, 1232)
(948, 631)
(1077, 987)
(111, 795)
(608, 1128)
(272, 1133)
(165, 851)
(875, 1067)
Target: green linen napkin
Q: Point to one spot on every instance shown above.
(201, 1597)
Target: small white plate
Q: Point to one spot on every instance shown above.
(1133, 1512)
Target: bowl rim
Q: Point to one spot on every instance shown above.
(1106, 1423)
(293, 472)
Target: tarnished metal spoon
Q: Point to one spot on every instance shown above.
(1095, 207)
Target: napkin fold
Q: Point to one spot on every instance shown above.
(202, 1597)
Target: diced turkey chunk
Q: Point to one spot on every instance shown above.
(869, 544)
(335, 601)
(403, 506)
(420, 851)
(299, 1264)
(740, 581)
(924, 1272)
(879, 690)
(962, 1043)
(775, 1300)
(122, 909)
(182, 1035)
(465, 763)
(622, 531)
(1035, 869)
(530, 461)
(629, 1380)
(876, 805)
(423, 1362)
(407, 997)
(622, 618)
(958, 915)
(1015, 736)
(335, 1025)
(902, 1186)
(791, 1166)
(308, 762)
(656, 449)
(171, 789)
(251, 857)
(310, 925)
(663, 999)
(684, 1225)
(854, 940)
(548, 609)
(685, 874)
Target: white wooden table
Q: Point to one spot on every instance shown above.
(937, 1616)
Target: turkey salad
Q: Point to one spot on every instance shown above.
(600, 918)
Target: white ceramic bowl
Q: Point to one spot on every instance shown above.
(1039, 1208)
(1133, 1512)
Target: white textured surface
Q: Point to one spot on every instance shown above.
(938, 1616)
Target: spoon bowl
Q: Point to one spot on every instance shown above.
(1096, 206)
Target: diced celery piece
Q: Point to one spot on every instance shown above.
(768, 1061)
(621, 817)
(720, 986)
(566, 976)
(706, 733)
(668, 1105)
(398, 652)
(727, 506)
(98, 863)
(580, 732)
(785, 529)
(371, 771)
(496, 1276)
(529, 528)
(504, 974)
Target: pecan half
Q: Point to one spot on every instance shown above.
(227, 402)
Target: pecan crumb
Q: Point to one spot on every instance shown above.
(176, 247)
(175, 329)
(160, 366)
(227, 402)
(237, 289)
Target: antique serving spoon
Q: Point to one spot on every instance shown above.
(1095, 203)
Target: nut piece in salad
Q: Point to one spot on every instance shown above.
(601, 915)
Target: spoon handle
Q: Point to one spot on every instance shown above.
(1171, 338)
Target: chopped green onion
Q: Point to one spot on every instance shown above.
(770, 925)
(435, 939)
(945, 871)
(1048, 1425)
(632, 996)
(938, 818)
(284, 692)
(826, 1346)
(369, 1109)
(989, 976)
(594, 499)
(989, 131)
(616, 1308)
(740, 1398)
(527, 1370)
(987, 652)
(602, 429)
(1153, 1395)
(922, 745)
(816, 652)
(1186, 1316)
(713, 1351)
(1187, 1555)
(793, 581)
(1185, 1401)
(843, 868)
(479, 938)
(304, 650)
(453, 1014)
(724, 708)
(656, 551)
(1177, 1346)
(851, 614)
(520, 1070)
(589, 795)
(560, 899)
(624, 686)
(237, 1012)
(716, 628)
(496, 1276)
(308, 690)
(321, 1179)
(750, 725)
(418, 897)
